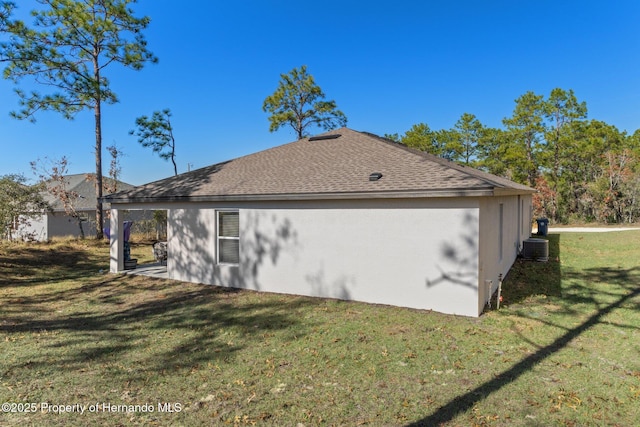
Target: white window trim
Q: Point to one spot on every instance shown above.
(219, 237)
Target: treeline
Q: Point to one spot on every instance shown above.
(584, 170)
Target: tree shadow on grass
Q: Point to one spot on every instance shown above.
(465, 402)
(37, 263)
(72, 315)
(100, 318)
(624, 287)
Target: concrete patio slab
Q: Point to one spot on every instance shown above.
(155, 269)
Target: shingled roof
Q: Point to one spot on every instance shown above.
(82, 184)
(333, 165)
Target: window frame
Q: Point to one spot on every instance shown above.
(219, 237)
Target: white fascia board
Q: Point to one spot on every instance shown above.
(147, 201)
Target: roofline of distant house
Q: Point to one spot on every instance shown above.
(462, 192)
(77, 209)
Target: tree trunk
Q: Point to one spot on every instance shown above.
(173, 152)
(98, 117)
(98, 120)
(79, 220)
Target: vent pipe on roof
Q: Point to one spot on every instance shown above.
(375, 176)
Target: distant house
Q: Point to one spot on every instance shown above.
(57, 223)
(345, 215)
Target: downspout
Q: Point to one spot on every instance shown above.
(519, 222)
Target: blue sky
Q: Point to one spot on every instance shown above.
(388, 65)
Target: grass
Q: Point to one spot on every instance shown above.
(562, 350)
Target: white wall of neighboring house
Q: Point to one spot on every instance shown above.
(61, 224)
(58, 224)
(33, 229)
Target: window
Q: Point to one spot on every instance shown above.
(228, 237)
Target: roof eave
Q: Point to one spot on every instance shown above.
(513, 191)
(480, 192)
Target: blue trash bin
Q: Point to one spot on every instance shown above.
(543, 226)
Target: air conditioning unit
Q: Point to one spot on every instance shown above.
(536, 249)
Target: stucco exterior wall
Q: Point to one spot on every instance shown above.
(34, 229)
(191, 245)
(499, 249)
(61, 225)
(57, 224)
(412, 253)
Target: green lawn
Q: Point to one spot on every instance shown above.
(564, 349)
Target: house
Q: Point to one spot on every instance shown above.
(57, 223)
(344, 214)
